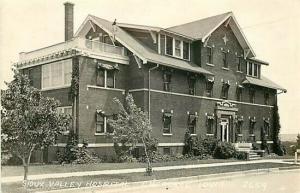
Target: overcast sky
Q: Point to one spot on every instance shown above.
(271, 26)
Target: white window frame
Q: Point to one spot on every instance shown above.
(181, 48)
(49, 66)
(257, 69)
(104, 125)
(105, 79)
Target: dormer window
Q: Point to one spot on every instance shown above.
(252, 69)
(177, 48)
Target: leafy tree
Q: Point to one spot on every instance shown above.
(277, 147)
(131, 127)
(298, 141)
(29, 120)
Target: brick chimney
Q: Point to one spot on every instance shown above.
(69, 20)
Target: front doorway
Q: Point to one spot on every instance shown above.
(224, 126)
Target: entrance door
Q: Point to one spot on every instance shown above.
(224, 129)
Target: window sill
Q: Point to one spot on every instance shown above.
(209, 134)
(208, 64)
(240, 135)
(167, 134)
(194, 134)
(251, 135)
(239, 72)
(105, 88)
(225, 68)
(55, 87)
(100, 134)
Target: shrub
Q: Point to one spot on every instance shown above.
(241, 155)
(224, 150)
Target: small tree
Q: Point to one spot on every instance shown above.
(276, 131)
(29, 120)
(131, 127)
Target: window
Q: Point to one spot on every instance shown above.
(167, 123)
(110, 79)
(267, 127)
(210, 124)
(225, 62)
(252, 125)
(167, 80)
(224, 92)
(252, 96)
(68, 112)
(239, 64)
(167, 151)
(186, 50)
(105, 77)
(192, 119)
(267, 98)
(239, 124)
(209, 87)
(169, 45)
(192, 83)
(239, 94)
(252, 69)
(100, 77)
(209, 51)
(57, 74)
(178, 48)
(100, 123)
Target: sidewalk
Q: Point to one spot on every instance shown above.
(135, 170)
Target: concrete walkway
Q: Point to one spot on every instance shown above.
(134, 170)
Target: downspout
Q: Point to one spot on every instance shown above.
(149, 88)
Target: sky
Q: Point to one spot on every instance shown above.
(271, 26)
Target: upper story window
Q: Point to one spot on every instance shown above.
(100, 123)
(224, 59)
(209, 53)
(267, 98)
(209, 87)
(169, 45)
(252, 69)
(186, 50)
(192, 120)
(239, 125)
(167, 80)
(192, 84)
(105, 76)
(57, 74)
(167, 122)
(225, 89)
(239, 63)
(177, 48)
(239, 93)
(252, 96)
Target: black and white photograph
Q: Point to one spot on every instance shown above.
(167, 96)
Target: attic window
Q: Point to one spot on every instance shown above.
(177, 48)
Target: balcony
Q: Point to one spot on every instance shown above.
(80, 45)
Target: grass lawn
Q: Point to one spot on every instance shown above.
(51, 184)
(44, 169)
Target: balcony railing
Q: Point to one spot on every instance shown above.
(75, 43)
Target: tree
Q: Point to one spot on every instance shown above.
(29, 120)
(277, 147)
(131, 127)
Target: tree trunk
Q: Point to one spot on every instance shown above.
(149, 168)
(25, 165)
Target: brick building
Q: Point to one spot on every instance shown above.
(202, 76)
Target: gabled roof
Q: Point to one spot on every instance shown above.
(263, 82)
(203, 28)
(143, 52)
(200, 28)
